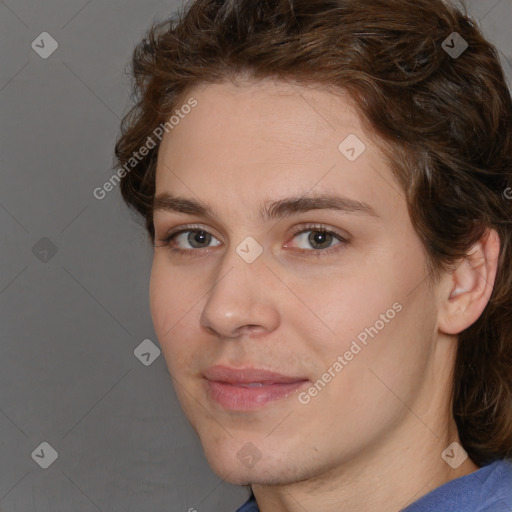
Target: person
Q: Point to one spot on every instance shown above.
(327, 185)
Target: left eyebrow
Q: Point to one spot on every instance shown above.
(296, 205)
(271, 210)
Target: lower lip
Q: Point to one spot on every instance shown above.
(238, 398)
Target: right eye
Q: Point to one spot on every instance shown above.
(188, 240)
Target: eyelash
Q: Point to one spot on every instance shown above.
(166, 241)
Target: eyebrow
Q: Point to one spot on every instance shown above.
(271, 210)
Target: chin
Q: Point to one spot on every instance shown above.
(263, 474)
(234, 464)
(226, 466)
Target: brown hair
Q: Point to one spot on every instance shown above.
(444, 121)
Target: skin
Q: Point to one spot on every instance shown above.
(372, 438)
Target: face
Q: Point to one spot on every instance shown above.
(288, 288)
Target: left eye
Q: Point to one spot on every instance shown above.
(317, 239)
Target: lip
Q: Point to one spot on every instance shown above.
(248, 388)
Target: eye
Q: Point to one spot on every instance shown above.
(314, 240)
(317, 239)
(198, 239)
(186, 240)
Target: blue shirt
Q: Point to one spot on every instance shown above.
(488, 489)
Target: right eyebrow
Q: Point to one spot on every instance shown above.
(168, 202)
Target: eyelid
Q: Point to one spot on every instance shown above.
(296, 230)
(342, 236)
(170, 235)
(173, 232)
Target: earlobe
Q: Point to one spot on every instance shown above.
(468, 288)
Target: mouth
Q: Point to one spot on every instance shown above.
(247, 389)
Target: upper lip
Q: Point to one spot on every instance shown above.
(247, 375)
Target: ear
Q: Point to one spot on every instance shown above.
(466, 290)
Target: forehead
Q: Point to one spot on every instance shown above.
(271, 117)
(253, 140)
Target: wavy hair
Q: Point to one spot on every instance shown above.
(443, 120)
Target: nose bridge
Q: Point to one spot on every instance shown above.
(240, 296)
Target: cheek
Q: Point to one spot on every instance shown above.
(385, 340)
(172, 294)
(173, 304)
(337, 307)
(161, 299)
(369, 303)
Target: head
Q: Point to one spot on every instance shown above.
(325, 188)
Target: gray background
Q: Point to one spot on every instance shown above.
(70, 321)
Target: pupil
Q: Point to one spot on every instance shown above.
(198, 238)
(317, 238)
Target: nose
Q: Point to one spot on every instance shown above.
(242, 300)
